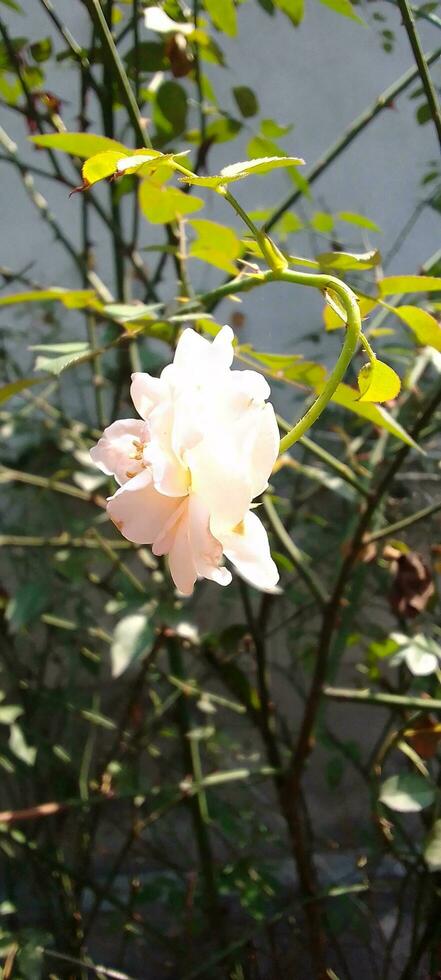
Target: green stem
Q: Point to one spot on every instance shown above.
(422, 65)
(352, 337)
(382, 700)
(298, 559)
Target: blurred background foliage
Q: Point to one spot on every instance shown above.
(236, 785)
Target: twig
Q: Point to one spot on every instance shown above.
(11, 476)
(90, 967)
(386, 532)
(381, 700)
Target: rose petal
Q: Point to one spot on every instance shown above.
(114, 453)
(219, 479)
(170, 475)
(146, 392)
(180, 559)
(139, 511)
(248, 549)
(206, 549)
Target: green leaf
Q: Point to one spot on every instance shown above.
(349, 260)
(262, 146)
(27, 604)
(273, 129)
(215, 244)
(20, 747)
(12, 5)
(223, 15)
(223, 130)
(237, 171)
(407, 793)
(348, 398)
(294, 9)
(345, 8)
(132, 637)
(287, 367)
(378, 382)
(69, 353)
(41, 50)
(432, 847)
(9, 713)
(323, 222)
(426, 329)
(96, 718)
(79, 144)
(170, 110)
(15, 387)
(161, 205)
(393, 285)
(149, 55)
(358, 219)
(246, 101)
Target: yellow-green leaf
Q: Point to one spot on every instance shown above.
(71, 298)
(393, 285)
(163, 204)
(215, 244)
(79, 144)
(378, 382)
(334, 316)
(360, 220)
(15, 387)
(345, 8)
(294, 9)
(223, 15)
(426, 328)
(349, 260)
(237, 171)
(100, 166)
(348, 398)
(285, 367)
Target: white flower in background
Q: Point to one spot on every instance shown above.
(190, 468)
(420, 653)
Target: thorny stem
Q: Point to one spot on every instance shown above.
(422, 65)
(127, 96)
(352, 336)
